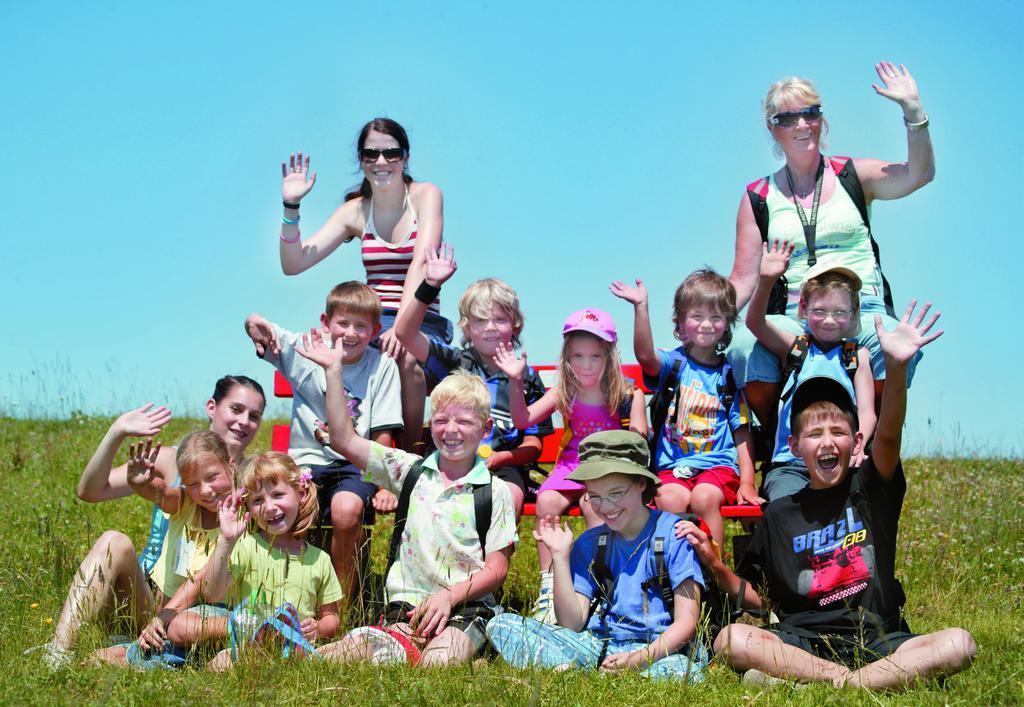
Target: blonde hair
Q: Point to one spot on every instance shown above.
(614, 386)
(465, 390)
(196, 445)
(820, 411)
(481, 297)
(705, 287)
(789, 91)
(272, 467)
(354, 297)
(829, 281)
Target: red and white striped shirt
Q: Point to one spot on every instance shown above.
(387, 263)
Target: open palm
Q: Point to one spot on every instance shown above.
(910, 336)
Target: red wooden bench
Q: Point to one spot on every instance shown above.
(281, 434)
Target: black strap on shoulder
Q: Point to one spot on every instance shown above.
(660, 403)
(849, 357)
(660, 581)
(605, 588)
(780, 290)
(727, 392)
(402, 512)
(847, 176)
(794, 362)
(482, 509)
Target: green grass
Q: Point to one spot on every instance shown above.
(961, 559)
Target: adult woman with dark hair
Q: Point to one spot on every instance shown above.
(398, 220)
(812, 201)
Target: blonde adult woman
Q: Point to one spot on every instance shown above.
(397, 220)
(813, 201)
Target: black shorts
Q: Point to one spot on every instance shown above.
(853, 651)
(471, 618)
(515, 475)
(342, 476)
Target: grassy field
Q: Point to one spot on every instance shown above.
(961, 559)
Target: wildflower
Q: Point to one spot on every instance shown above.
(34, 605)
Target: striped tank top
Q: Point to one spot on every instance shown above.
(387, 263)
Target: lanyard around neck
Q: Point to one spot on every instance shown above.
(810, 226)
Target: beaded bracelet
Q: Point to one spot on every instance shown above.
(290, 221)
(914, 127)
(291, 240)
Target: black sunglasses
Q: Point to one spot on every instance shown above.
(391, 154)
(810, 114)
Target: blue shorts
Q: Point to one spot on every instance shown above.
(434, 326)
(751, 361)
(342, 476)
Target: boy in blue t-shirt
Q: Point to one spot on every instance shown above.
(610, 585)
(702, 447)
(489, 317)
(830, 303)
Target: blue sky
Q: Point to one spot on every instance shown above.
(575, 143)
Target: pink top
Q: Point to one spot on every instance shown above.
(585, 419)
(387, 263)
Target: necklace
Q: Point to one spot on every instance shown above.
(810, 225)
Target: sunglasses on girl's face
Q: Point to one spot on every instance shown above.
(810, 114)
(391, 154)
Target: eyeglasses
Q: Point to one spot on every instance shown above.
(391, 154)
(611, 499)
(810, 114)
(839, 315)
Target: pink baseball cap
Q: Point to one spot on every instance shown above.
(592, 321)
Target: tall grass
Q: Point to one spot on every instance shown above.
(961, 559)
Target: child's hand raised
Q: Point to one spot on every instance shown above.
(634, 295)
(142, 462)
(263, 335)
(232, 523)
(700, 541)
(558, 538)
(294, 182)
(440, 265)
(144, 422)
(513, 366)
(316, 349)
(902, 343)
(775, 259)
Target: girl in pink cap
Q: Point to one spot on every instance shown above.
(592, 395)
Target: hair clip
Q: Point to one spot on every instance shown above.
(305, 477)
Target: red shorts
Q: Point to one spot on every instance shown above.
(724, 478)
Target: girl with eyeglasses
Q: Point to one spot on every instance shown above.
(397, 220)
(820, 204)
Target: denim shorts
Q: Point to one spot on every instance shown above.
(434, 326)
(342, 476)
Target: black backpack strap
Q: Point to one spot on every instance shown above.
(794, 362)
(849, 357)
(660, 581)
(605, 588)
(847, 176)
(402, 512)
(661, 401)
(482, 509)
(757, 193)
(727, 392)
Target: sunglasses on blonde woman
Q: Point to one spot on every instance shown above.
(810, 114)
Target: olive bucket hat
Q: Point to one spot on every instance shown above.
(613, 452)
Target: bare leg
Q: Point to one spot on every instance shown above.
(517, 499)
(762, 397)
(706, 501)
(549, 503)
(347, 541)
(450, 647)
(189, 628)
(941, 653)
(109, 572)
(673, 498)
(745, 647)
(414, 392)
(358, 648)
(221, 662)
(590, 517)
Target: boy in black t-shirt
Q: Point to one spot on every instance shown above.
(825, 556)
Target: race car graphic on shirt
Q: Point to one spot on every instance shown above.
(841, 560)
